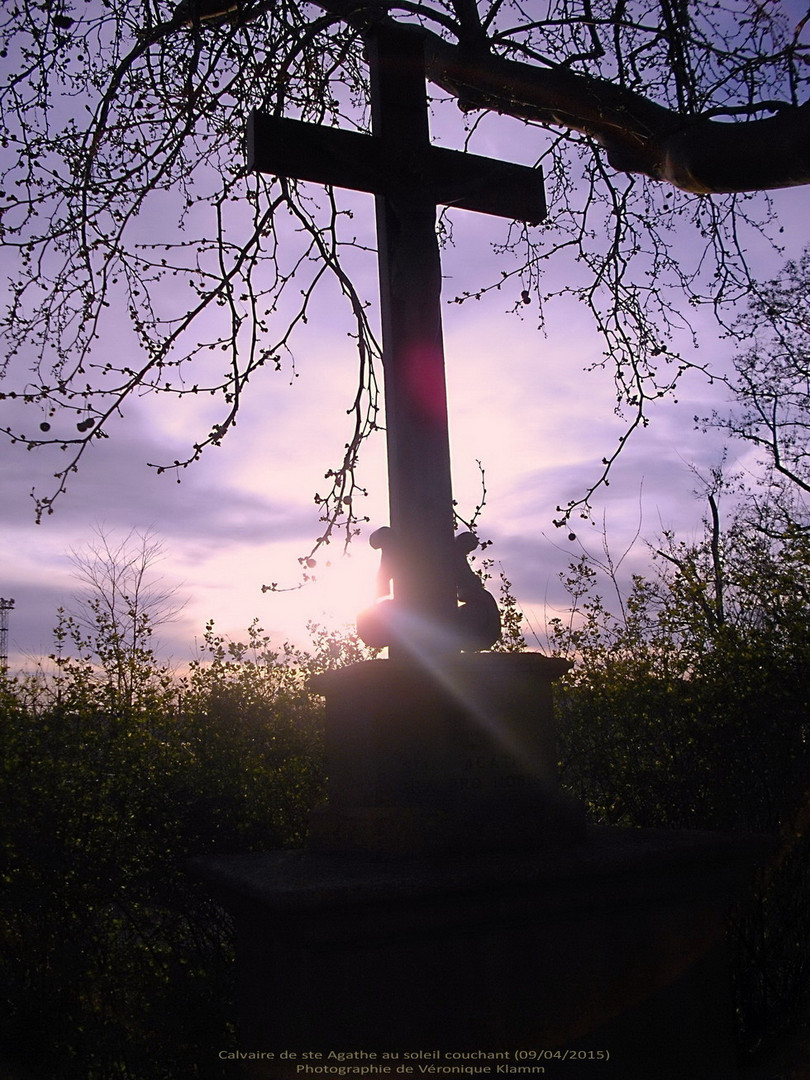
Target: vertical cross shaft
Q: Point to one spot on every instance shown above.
(420, 491)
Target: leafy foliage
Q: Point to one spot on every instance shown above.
(690, 708)
(115, 962)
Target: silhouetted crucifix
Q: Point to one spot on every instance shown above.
(409, 177)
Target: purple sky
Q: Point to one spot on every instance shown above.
(520, 402)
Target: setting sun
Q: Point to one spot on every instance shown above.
(340, 588)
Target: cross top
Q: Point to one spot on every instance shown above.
(409, 177)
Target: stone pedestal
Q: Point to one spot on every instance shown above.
(453, 917)
(608, 954)
(455, 755)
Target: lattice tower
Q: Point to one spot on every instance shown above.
(5, 607)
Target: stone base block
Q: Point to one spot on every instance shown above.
(458, 829)
(609, 952)
(455, 755)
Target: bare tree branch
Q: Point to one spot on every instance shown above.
(109, 108)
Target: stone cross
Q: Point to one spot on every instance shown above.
(409, 177)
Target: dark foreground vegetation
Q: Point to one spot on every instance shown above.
(114, 962)
(687, 708)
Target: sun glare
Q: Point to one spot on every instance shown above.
(341, 589)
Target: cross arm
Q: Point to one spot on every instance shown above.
(323, 155)
(351, 159)
(500, 188)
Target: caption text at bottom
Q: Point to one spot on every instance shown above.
(360, 1063)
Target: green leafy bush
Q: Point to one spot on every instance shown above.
(689, 707)
(115, 962)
